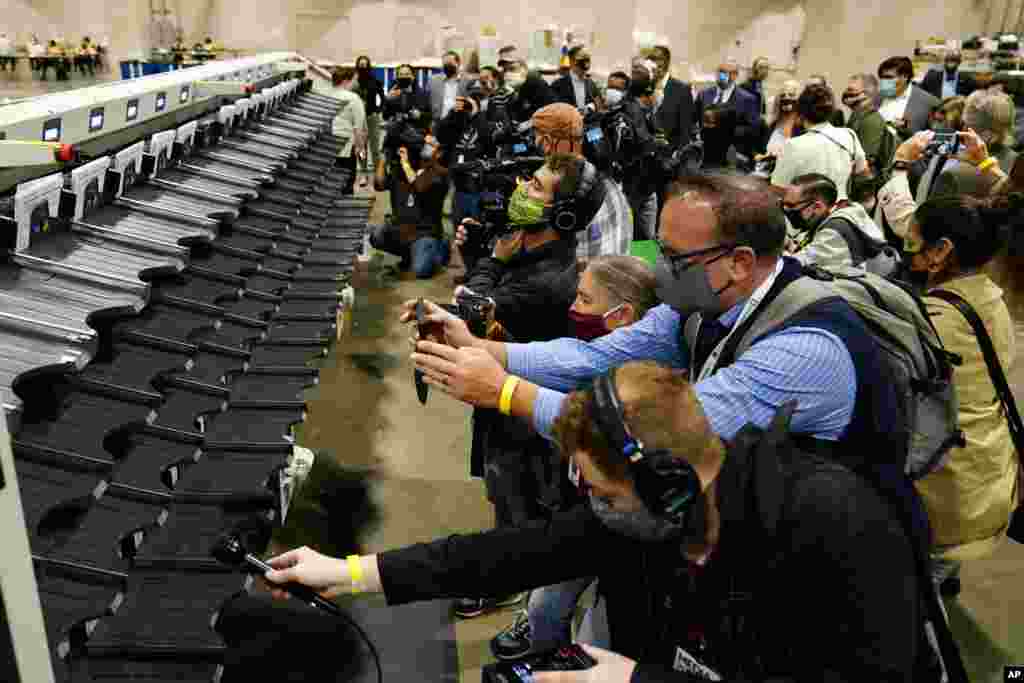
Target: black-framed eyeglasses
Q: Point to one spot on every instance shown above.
(680, 261)
(799, 207)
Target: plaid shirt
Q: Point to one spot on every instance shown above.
(611, 231)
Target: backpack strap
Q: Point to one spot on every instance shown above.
(691, 328)
(856, 242)
(793, 299)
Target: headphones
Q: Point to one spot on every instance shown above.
(568, 213)
(667, 485)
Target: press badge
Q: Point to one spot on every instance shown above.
(411, 201)
(462, 158)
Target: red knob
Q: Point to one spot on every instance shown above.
(65, 153)
(249, 89)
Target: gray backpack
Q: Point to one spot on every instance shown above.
(914, 355)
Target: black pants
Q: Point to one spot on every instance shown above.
(347, 164)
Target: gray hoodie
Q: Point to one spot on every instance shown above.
(830, 246)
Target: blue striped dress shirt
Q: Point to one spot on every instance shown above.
(808, 364)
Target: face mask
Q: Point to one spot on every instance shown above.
(851, 100)
(524, 209)
(404, 82)
(515, 81)
(450, 70)
(613, 96)
(723, 79)
(640, 524)
(887, 87)
(583, 66)
(589, 326)
(799, 223)
(689, 293)
(364, 69)
(787, 105)
(639, 87)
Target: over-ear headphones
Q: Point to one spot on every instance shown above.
(574, 212)
(667, 485)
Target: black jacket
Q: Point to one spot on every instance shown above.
(932, 83)
(372, 92)
(675, 117)
(532, 293)
(640, 174)
(465, 139)
(828, 574)
(410, 98)
(564, 92)
(534, 94)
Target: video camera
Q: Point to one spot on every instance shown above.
(497, 178)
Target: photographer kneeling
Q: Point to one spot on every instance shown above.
(531, 278)
(704, 549)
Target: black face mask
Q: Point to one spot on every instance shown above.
(363, 69)
(787, 105)
(640, 87)
(450, 70)
(583, 66)
(951, 67)
(404, 82)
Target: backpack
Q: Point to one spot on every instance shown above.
(878, 258)
(913, 354)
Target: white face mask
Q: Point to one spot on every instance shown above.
(613, 96)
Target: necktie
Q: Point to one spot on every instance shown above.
(711, 333)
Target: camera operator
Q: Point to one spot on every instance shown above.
(418, 182)
(528, 92)
(531, 280)
(406, 101)
(467, 135)
(559, 128)
(704, 549)
(635, 149)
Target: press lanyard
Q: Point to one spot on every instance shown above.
(748, 309)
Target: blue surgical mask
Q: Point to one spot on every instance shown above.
(887, 87)
(723, 79)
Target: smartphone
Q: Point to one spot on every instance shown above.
(568, 658)
(944, 143)
(422, 388)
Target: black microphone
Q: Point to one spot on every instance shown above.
(230, 550)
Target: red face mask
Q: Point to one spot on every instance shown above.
(589, 326)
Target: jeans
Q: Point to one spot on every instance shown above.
(550, 611)
(426, 255)
(645, 213)
(466, 205)
(374, 124)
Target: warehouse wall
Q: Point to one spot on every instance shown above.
(840, 36)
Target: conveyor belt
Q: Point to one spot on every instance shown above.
(197, 183)
(134, 223)
(168, 200)
(97, 255)
(275, 141)
(240, 171)
(271, 153)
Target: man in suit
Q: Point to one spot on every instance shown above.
(446, 88)
(949, 82)
(905, 106)
(726, 96)
(991, 116)
(577, 88)
(673, 100)
(755, 84)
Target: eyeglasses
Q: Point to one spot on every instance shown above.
(798, 207)
(680, 261)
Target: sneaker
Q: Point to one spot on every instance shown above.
(467, 608)
(514, 642)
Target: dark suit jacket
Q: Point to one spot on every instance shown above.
(932, 83)
(564, 92)
(918, 111)
(745, 105)
(675, 116)
(756, 88)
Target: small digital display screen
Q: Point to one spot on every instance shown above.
(183, 97)
(594, 135)
(161, 101)
(51, 130)
(519, 148)
(96, 119)
(132, 112)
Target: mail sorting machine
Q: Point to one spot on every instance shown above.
(159, 309)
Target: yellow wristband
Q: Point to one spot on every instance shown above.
(987, 164)
(355, 568)
(509, 388)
